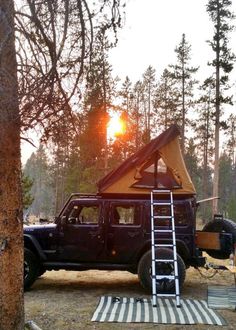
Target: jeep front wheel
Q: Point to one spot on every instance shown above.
(31, 268)
(162, 268)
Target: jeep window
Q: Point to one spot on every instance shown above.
(125, 215)
(84, 214)
(180, 213)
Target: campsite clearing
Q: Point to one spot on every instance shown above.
(66, 300)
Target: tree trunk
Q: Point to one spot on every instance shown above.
(216, 166)
(11, 246)
(183, 111)
(217, 120)
(205, 181)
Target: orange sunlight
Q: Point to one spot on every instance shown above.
(115, 126)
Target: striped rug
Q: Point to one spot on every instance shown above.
(221, 297)
(121, 309)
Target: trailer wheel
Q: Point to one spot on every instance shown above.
(221, 226)
(164, 268)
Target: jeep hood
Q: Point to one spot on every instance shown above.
(30, 228)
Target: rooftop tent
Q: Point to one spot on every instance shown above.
(157, 165)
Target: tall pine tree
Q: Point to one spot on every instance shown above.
(38, 170)
(221, 16)
(183, 74)
(166, 101)
(149, 83)
(204, 128)
(98, 100)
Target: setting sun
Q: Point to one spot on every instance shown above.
(116, 126)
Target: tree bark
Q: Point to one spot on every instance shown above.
(11, 242)
(217, 119)
(183, 110)
(205, 181)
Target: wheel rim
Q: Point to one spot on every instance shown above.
(164, 285)
(26, 270)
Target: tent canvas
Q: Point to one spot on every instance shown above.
(157, 165)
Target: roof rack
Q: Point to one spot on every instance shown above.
(84, 195)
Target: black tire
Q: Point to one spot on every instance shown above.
(31, 268)
(164, 285)
(221, 226)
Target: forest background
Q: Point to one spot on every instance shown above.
(58, 50)
(77, 150)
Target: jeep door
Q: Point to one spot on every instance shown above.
(82, 237)
(125, 236)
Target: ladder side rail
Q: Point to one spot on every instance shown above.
(155, 245)
(154, 293)
(176, 272)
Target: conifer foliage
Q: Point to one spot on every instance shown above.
(221, 16)
(81, 151)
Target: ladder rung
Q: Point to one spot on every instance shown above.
(161, 191)
(164, 245)
(160, 277)
(163, 231)
(161, 204)
(162, 217)
(164, 260)
(165, 295)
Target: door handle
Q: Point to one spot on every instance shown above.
(95, 234)
(133, 233)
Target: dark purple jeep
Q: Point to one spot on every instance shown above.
(94, 232)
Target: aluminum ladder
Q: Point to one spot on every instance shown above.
(156, 244)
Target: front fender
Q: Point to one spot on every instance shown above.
(31, 243)
(182, 248)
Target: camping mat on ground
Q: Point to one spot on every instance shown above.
(221, 297)
(121, 309)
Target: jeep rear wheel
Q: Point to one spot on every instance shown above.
(31, 268)
(162, 268)
(221, 226)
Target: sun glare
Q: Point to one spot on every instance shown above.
(115, 126)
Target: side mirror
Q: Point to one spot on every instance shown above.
(63, 221)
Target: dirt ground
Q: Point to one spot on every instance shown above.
(66, 300)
